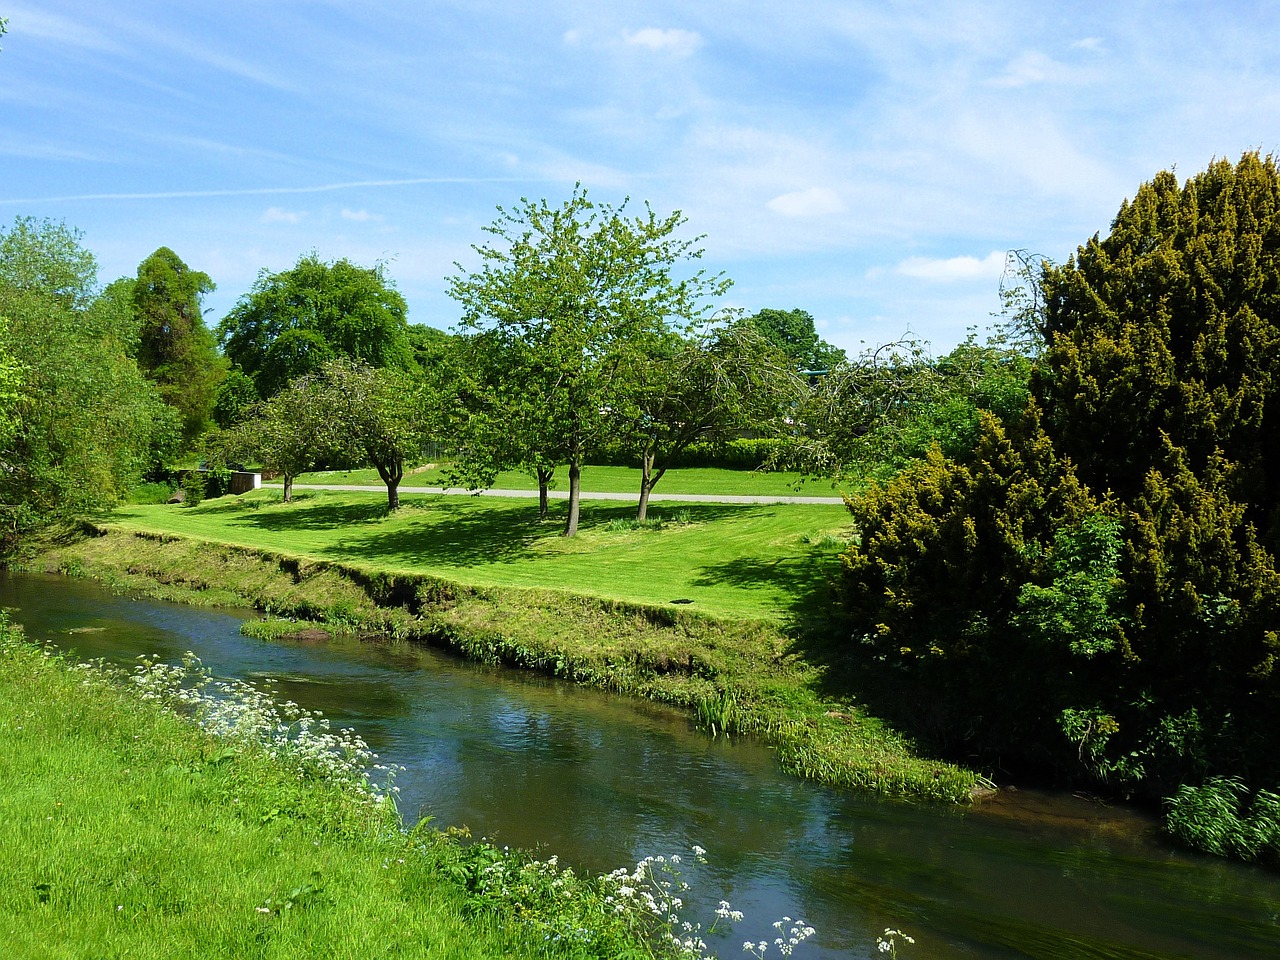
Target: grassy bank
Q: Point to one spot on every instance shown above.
(162, 813)
(129, 832)
(735, 674)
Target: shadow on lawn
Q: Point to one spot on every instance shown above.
(453, 532)
(804, 581)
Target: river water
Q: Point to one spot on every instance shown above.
(602, 782)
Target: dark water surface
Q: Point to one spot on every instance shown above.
(602, 782)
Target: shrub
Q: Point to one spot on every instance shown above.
(192, 487)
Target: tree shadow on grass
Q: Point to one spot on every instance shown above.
(458, 532)
(803, 581)
(318, 516)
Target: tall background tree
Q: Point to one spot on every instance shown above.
(292, 323)
(175, 349)
(794, 334)
(569, 296)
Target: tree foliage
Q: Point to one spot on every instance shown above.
(707, 388)
(870, 417)
(794, 334)
(1101, 573)
(568, 297)
(175, 349)
(84, 423)
(292, 323)
(289, 433)
(382, 416)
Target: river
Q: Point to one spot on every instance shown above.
(602, 782)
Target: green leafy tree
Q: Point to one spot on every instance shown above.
(705, 389)
(294, 322)
(385, 417)
(871, 417)
(569, 296)
(85, 423)
(794, 334)
(175, 348)
(497, 386)
(289, 433)
(235, 396)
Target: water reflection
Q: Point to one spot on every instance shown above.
(603, 782)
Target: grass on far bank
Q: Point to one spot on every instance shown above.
(708, 481)
(755, 562)
(128, 832)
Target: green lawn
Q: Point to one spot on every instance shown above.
(696, 480)
(756, 562)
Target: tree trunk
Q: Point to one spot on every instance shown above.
(571, 526)
(646, 469)
(544, 485)
(391, 475)
(648, 480)
(288, 488)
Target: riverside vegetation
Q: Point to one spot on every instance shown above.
(338, 561)
(256, 831)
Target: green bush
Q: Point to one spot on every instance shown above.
(192, 487)
(217, 482)
(1094, 589)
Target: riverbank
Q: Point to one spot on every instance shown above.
(128, 831)
(162, 813)
(736, 676)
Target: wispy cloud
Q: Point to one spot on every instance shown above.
(681, 43)
(1030, 68)
(280, 215)
(269, 191)
(813, 202)
(953, 269)
(32, 22)
(360, 216)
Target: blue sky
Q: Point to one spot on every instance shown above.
(868, 162)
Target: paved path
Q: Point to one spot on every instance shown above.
(564, 495)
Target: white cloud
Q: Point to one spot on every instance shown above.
(814, 202)
(953, 269)
(1091, 44)
(360, 216)
(1030, 68)
(280, 215)
(681, 43)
